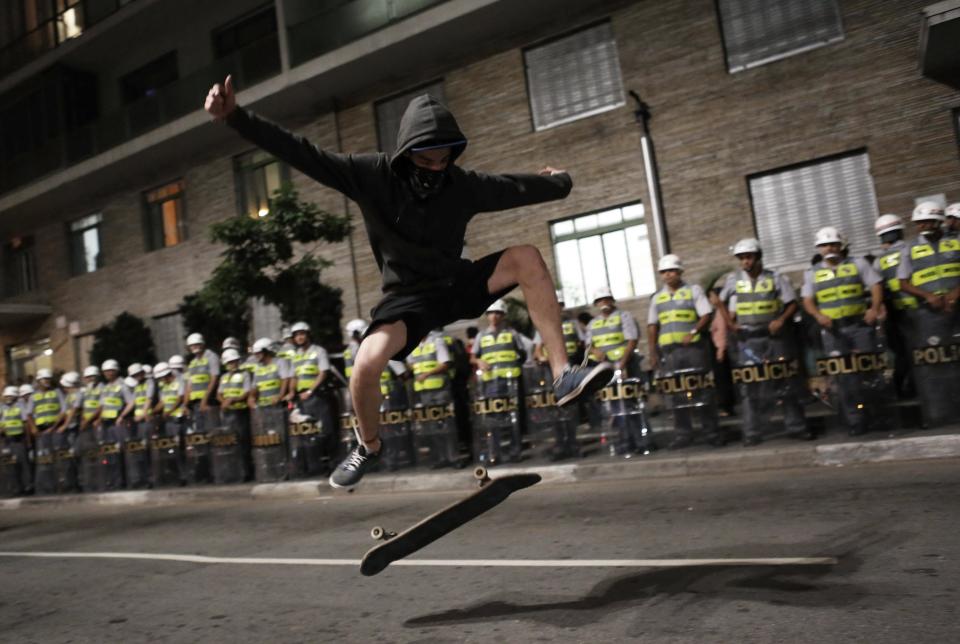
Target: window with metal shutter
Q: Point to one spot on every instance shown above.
(573, 77)
(761, 31)
(790, 205)
(168, 335)
(390, 110)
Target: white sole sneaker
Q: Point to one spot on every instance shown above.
(589, 381)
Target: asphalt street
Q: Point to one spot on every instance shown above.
(891, 527)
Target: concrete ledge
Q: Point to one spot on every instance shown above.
(728, 461)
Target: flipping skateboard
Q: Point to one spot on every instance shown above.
(492, 492)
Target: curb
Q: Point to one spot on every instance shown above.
(709, 463)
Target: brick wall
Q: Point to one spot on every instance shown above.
(712, 129)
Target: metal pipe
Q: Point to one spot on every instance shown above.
(642, 116)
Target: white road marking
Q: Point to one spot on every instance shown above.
(476, 563)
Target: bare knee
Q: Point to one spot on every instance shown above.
(367, 370)
(525, 258)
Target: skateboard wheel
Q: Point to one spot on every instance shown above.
(377, 533)
(480, 473)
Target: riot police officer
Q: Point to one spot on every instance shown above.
(679, 315)
(930, 271)
(202, 373)
(952, 227)
(435, 424)
(763, 348)
(16, 429)
(234, 395)
(835, 292)
(889, 229)
(311, 368)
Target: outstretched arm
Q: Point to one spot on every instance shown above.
(332, 169)
(504, 191)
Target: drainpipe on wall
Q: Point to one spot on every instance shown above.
(642, 115)
(346, 209)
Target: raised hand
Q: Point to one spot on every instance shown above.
(221, 99)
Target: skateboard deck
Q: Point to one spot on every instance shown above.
(492, 492)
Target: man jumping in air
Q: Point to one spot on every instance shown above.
(416, 204)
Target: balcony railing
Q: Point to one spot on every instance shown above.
(349, 21)
(249, 66)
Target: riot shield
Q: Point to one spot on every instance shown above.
(196, 445)
(65, 460)
(766, 373)
(226, 447)
(397, 437)
(435, 427)
(109, 472)
(626, 426)
(45, 477)
(348, 425)
(304, 448)
(858, 374)
(136, 453)
(267, 443)
(88, 459)
(320, 411)
(496, 419)
(934, 338)
(14, 468)
(165, 456)
(687, 386)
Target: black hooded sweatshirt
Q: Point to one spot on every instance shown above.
(416, 241)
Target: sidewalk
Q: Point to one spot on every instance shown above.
(835, 450)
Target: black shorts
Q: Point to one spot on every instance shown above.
(466, 298)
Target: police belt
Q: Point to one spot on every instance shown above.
(541, 400)
(433, 413)
(779, 370)
(486, 406)
(936, 354)
(853, 363)
(621, 390)
(684, 382)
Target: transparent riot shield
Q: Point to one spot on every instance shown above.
(109, 472)
(396, 434)
(88, 459)
(65, 460)
(304, 448)
(226, 447)
(627, 429)
(541, 409)
(197, 461)
(687, 385)
(496, 419)
(856, 372)
(14, 468)
(136, 453)
(320, 411)
(435, 427)
(934, 340)
(268, 445)
(766, 373)
(44, 460)
(347, 433)
(165, 454)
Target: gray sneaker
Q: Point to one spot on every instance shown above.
(353, 467)
(579, 381)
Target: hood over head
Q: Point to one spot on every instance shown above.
(427, 123)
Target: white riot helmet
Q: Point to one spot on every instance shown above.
(25, 390)
(926, 211)
(747, 245)
(176, 362)
(285, 333)
(231, 343)
(953, 210)
(134, 369)
(669, 263)
(195, 338)
(91, 372)
(70, 379)
(828, 235)
(887, 224)
(356, 326)
(130, 382)
(299, 326)
(161, 370)
(44, 374)
(148, 370)
(602, 292)
(498, 307)
(110, 365)
(11, 392)
(230, 355)
(263, 344)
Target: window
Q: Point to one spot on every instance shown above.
(265, 320)
(258, 176)
(85, 253)
(145, 81)
(790, 205)
(573, 77)
(245, 31)
(168, 334)
(608, 248)
(390, 110)
(19, 267)
(163, 216)
(756, 32)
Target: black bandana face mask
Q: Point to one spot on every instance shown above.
(426, 182)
